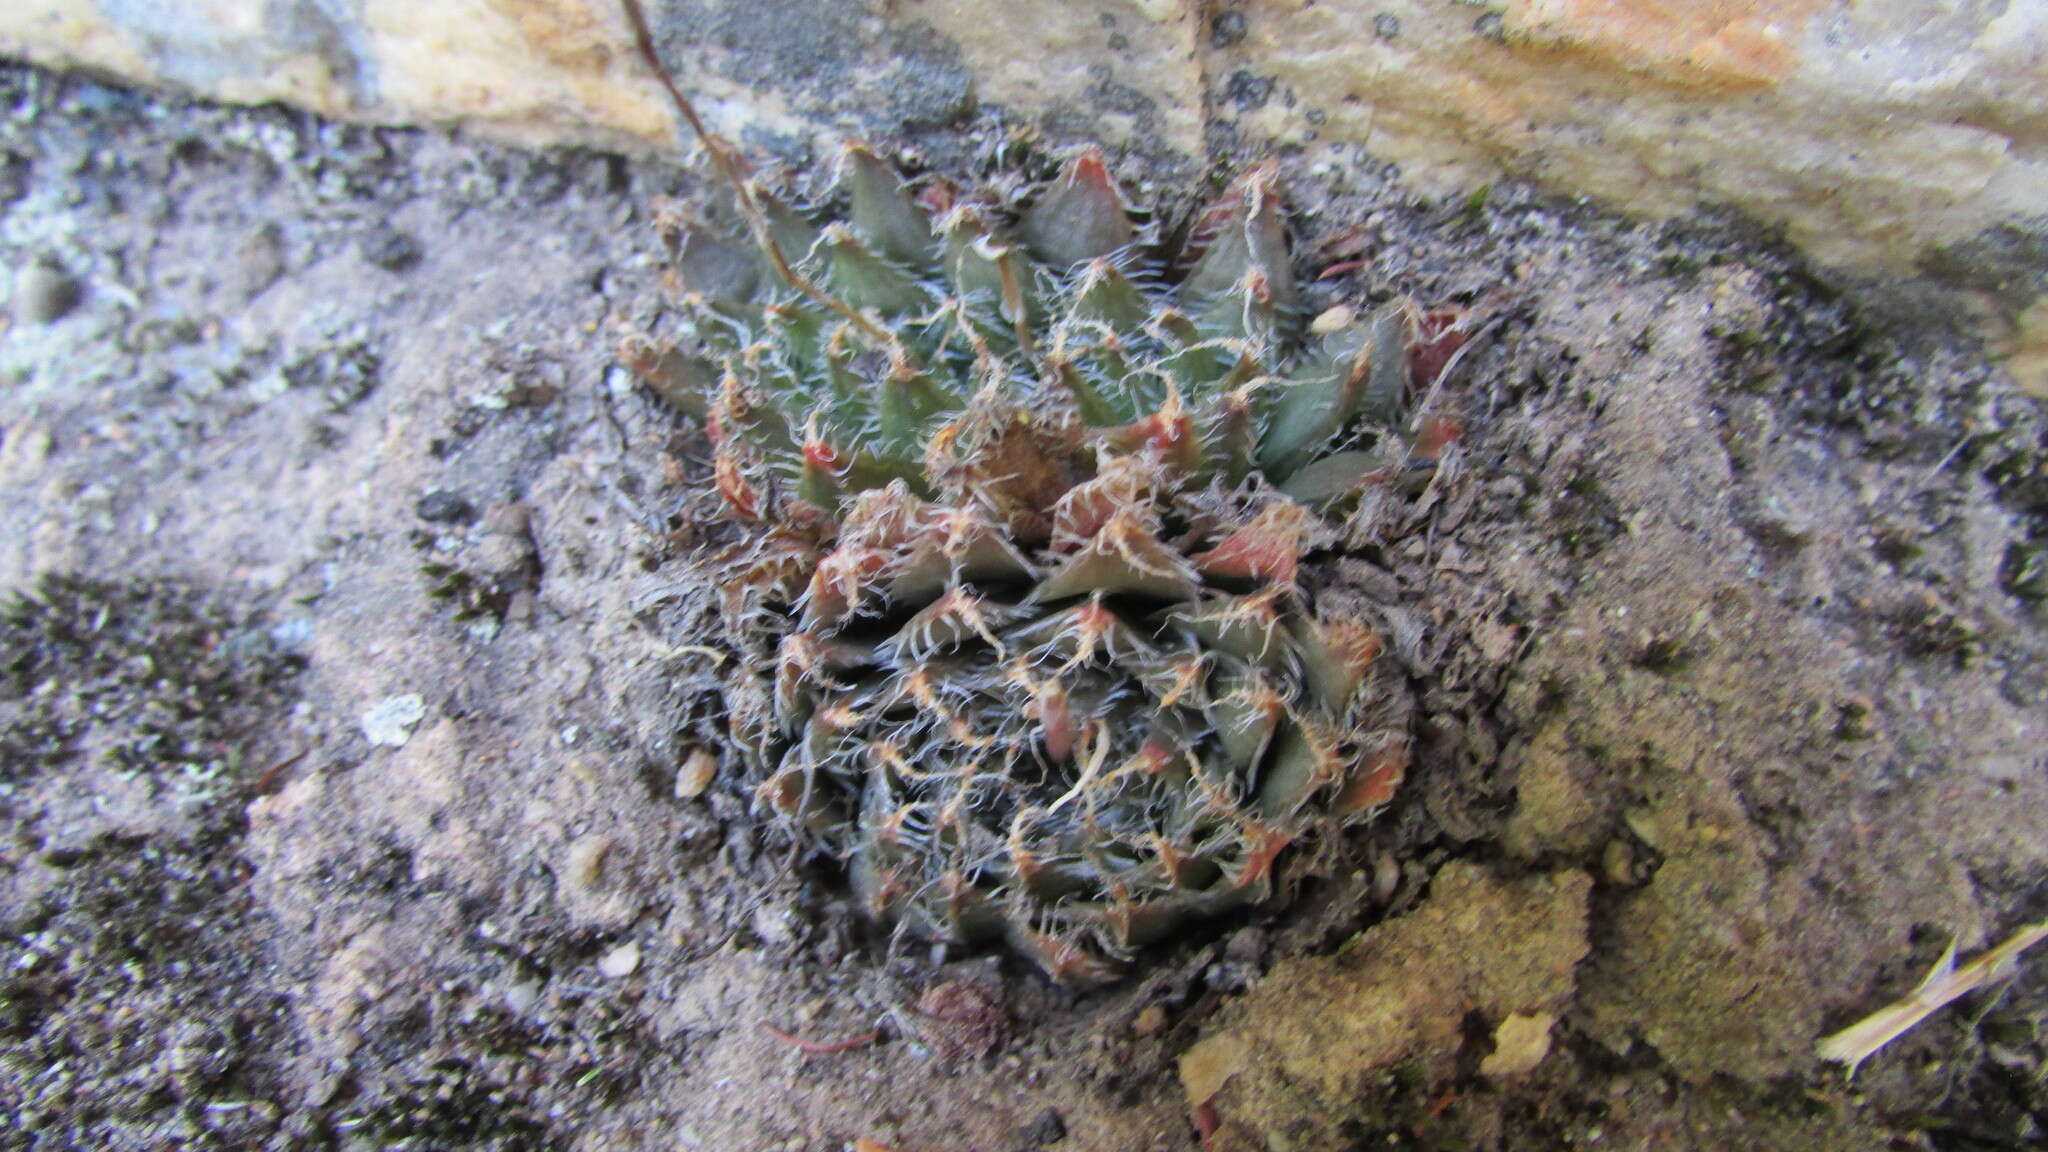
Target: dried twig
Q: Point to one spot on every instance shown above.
(1944, 983)
(817, 1048)
(273, 776)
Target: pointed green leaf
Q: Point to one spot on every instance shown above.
(1245, 711)
(1335, 656)
(1303, 761)
(724, 270)
(957, 619)
(1230, 436)
(1086, 631)
(1248, 233)
(882, 212)
(1247, 312)
(962, 544)
(1175, 328)
(1104, 295)
(1339, 474)
(864, 280)
(798, 327)
(1125, 556)
(1080, 217)
(791, 230)
(1353, 367)
(1247, 627)
(685, 382)
(817, 482)
(740, 413)
(993, 277)
(910, 399)
(1098, 404)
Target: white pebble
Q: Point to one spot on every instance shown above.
(390, 721)
(620, 962)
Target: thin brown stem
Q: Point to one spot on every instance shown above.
(1013, 303)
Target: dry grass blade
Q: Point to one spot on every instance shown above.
(1945, 983)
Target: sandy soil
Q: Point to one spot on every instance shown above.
(349, 672)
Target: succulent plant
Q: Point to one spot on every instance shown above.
(1023, 514)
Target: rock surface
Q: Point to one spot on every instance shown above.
(540, 70)
(1736, 607)
(1887, 135)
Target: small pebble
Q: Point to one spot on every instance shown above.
(508, 558)
(1043, 1129)
(43, 294)
(389, 722)
(1386, 876)
(1246, 946)
(444, 507)
(699, 769)
(962, 1019)
(583, 865)
(507, 518)
(521, 995)
(1332, 319)
(1618, 863)
(260, 262)
(1150, 1022)
(773, 926)
(1228, 30)
(620, 962)
(391, 250)
(1520, 1044)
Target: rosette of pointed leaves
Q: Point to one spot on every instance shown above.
(1076, 745)
(1035, 662)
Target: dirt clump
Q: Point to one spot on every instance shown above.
(1293, 1059)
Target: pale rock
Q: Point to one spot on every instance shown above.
(390, 721)
(535, 70)
(699, 768)
(520, 993)
(776, 927)
(620, 962)
(1519, 1045)
(1873, 134)
(1885, 136)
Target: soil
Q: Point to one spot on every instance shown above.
(352, 709)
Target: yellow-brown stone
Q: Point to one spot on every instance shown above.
(1873, 134)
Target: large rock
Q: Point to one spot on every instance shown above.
(1871, 132)
(1884, 136)
(538, 70)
